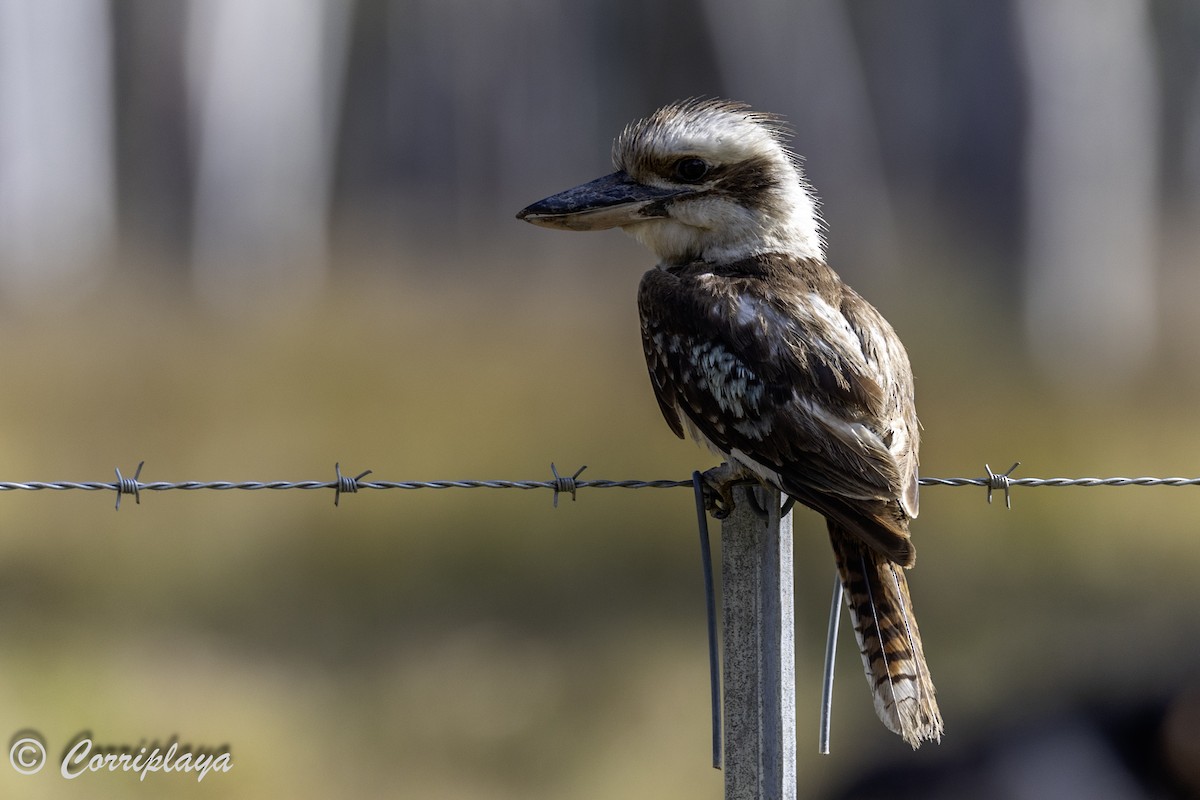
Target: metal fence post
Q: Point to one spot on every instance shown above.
(759, 654)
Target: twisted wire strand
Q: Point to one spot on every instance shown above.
(985, 482)
(162, 486)
(559, 484)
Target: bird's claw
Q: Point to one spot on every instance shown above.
(719, 483)
(718, 500)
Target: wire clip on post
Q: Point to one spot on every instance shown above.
(710, 608)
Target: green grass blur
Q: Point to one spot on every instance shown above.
(482, 644)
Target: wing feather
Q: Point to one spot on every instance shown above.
(801, 377)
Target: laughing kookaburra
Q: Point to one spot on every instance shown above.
(758, 349)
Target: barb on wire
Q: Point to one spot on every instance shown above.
(1001, 481)
(129, 485)
(345, 483)
(562, 484)
(558, 484)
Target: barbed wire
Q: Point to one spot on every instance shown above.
(559, 484)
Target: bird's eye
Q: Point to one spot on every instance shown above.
(690, 169)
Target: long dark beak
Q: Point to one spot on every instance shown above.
(608, 202)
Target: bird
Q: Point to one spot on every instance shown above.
(756, 348)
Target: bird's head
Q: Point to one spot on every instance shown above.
(697, 180)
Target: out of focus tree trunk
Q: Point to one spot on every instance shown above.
(57, 192)
(265, 83)
(1091, 179)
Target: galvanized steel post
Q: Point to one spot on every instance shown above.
(759, 654)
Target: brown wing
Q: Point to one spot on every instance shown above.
(897, 412)
(773, 372)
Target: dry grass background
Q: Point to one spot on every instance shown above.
(480, 644)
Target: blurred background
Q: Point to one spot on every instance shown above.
(246, 239)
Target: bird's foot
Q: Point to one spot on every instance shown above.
(719, 483)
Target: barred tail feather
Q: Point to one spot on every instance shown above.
(886, 629)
